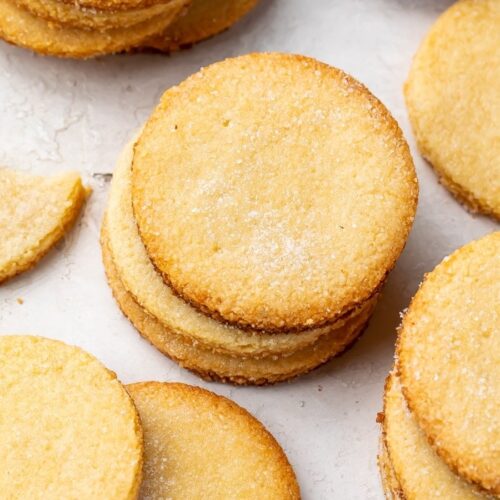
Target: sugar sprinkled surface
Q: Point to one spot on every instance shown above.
(375, 42)
(291, 215)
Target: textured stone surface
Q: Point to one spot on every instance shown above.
(58, 115)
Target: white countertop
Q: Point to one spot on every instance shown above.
(60, 114)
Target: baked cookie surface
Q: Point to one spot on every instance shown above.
(203, 19)
(212, 364)
(201, 445)
(35, 213)
(449, 360)
(141, 279)
(271, 209)
(68, 428)
(417, 469)
(20, 27)
(390, 483)
(454, 104)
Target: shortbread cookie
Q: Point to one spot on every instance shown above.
(454, 104)
(141, 279)
(68, 428)
(203, 19)
(390, 483)
(74, 16)
(276, 192)
(20, 27)
(213, 365)
(419, 471)
(35, 213)
(449, 360)
(201, 445)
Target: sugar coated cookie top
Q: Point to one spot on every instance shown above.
(68, 428)
(273, 191)
(454, 103)
(201, 445)
(34, 214)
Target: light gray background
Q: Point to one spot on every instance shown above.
(58, 114)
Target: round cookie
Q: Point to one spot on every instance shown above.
(73, 16)
(271, 209)
(68, 427)
(141, 279)
(20, 27)
(203, 19)
(213, 365)
(201, 445)
(453, 102)
(35, 213)
(419, 471)
(449, 360)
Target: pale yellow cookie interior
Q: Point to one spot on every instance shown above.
(213, 365)
(273, 191)
(199, 445)
(419, 471)
(454, 103)
(449, 360)
(68, 428)
(35, 212)
(142, 280)
(390, 483)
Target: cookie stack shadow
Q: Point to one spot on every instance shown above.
(250, 229)
(89, 28)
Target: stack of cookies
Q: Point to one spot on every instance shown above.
(69, 429)
(441, 426)
(254, 220)
(87, 28)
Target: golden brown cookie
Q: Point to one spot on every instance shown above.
(68, 428)
(213, 365)
(20, 27)
(141, 279)
(74, 16)
(112, 5)
(35, 213)
(203, 19)
(419, 471)
(268, 208)
(201, 445)
(390, 483)
(454, 104)
(449, 360)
